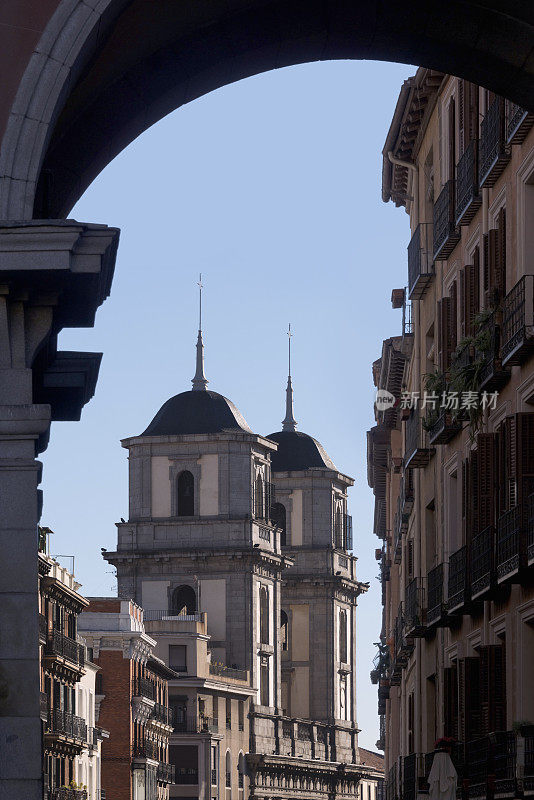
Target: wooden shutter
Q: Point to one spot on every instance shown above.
(472, 122)
(464, 496)
(500, 276)
(462, 134)
(446, 336)
(468, 698)
(492, 689)
(495, 263)
(453, 315)
(486, 448)
(472, 526)
(471, 294)
(523, 451)
(452, 139)
(450, 701)
(410, 558)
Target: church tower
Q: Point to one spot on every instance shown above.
(198, 537)
(318, 618)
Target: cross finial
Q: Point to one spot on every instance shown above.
(199, 381)
(289, 423)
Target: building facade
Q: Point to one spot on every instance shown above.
(237, 547)
(131, 701)
(450, 459)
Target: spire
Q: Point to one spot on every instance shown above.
(289, 423)
(199, 381)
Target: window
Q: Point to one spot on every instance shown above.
(179, 712)
(186, 494)
(228, 713)
(278, 518)
(241, 712)
(343, 637)
(264, 615)
(214, 770)
(284, 630)
(178, 657)
(258, 497)
(184, 600)
(240, 770)
(264, 681)
(228, 770)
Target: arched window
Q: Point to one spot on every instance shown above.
(264, 615)
(184, 600)
(284, 622)
(338, 528)
(186, 494)
(278, 518)
(228, 770)
(343, 637)
(258, 497)
(241, 770)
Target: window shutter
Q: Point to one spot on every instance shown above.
(461, 279)
(492, 689)
(410, 557)
(471, 294)
(524, 453)
(452, 140)
(495, 263)
(453, 316)
(472, 126)
(500, 276)
(469, 698)
(450, 701)
(486, 480)
(472, 496)
(464, 495)
(462, 134)
(446, 340)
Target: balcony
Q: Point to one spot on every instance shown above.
(414, 621)
(442, 428)
(43, 706)
(142, 687)
(468, 197)
(409, 777)
(510, 553)
(403, 643)
(436, 611)
(65, 793)
(483, 564)
(166, 772)
(162, 714)
(146, 749)
(233, 673)
(518, 122)
(169, 614)
(492, 376)
(417, 453)
(63, 723)
(194, 724)
(420, 261)
(60, 645)
(518, 322)
(493, 153)
(446, 234)
(184, 776)
(458, 584)
(43, 628)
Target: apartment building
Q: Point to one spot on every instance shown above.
(451, 457)
(131, 701)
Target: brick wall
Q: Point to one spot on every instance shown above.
(115, 717)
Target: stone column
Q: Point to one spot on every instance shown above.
(51, 275)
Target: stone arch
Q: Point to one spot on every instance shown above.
(184, 600)
(60, 133)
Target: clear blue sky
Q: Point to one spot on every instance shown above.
(271, 188)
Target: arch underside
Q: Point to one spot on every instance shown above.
(131, 63)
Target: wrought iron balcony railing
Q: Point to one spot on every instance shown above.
(63, 722)
(482, 563)
(443, 427)
(195, 724)
(162, 714)
(468, 197)
(66, 793)
(446, 234)
(217, 668)
(492, 375)
(142, 687)
(187, 776)
(518, 122)
(518, 322)
(414, 609)
(417, 453)
(60, 645)
(166, 772)
(457, 584)
(146, 749)
(436, 607)
(493, 153)
(510, 555)
(420, 261)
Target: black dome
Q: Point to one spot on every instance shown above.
(297, 451)
(196, 412)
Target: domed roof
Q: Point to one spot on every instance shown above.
(298, 451)
(196, 412)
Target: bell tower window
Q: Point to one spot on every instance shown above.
(258, 497)
(186, 494)
(278, 518)
(343, 637)
(264, 615)
(184, 600)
